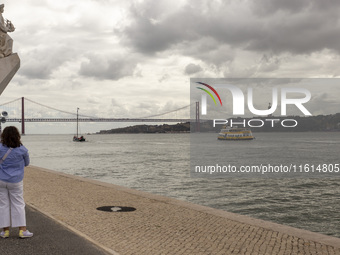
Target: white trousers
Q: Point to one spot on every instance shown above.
(12, 205)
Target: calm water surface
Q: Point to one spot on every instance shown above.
(159, 163)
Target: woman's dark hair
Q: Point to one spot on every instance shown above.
(11, 137)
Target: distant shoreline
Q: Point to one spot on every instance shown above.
(320, 123)
(150, 129)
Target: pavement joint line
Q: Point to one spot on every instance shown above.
(279, 228)
(79, 233)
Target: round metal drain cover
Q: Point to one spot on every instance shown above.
(113, 208)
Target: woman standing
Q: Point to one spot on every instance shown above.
(13, 159)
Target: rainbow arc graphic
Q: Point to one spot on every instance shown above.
(209, 93)
(204, 98)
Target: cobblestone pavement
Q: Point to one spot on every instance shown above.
(51, 239)
(161, 225)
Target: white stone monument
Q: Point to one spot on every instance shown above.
(9, 62)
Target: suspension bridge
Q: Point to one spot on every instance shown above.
(24, 110)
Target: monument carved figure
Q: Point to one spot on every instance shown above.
(6, 41)
(9, 61)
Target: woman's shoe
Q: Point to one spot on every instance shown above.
(4, 234)
(25, 234)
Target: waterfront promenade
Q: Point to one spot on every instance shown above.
(159, 225)
(50, 238)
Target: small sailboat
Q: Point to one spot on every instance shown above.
(76, 138)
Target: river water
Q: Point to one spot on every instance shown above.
(160, 164)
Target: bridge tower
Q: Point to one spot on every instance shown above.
(23, 116)
(197, 116)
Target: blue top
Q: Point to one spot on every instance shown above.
(12, 169)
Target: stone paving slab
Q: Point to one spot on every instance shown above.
(160, 225)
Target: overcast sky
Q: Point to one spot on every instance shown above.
(135, 58)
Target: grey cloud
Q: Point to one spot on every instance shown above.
(323, 103)
(270, 7)
(149, 36)
(210, 52)
(268, 64)
(93, 100)
(164, 78)
(281, 26)
(41, 62)
(112, 68)
(192, 68)
(118, 109)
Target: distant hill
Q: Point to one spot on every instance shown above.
(305, 124)
(165, 128)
